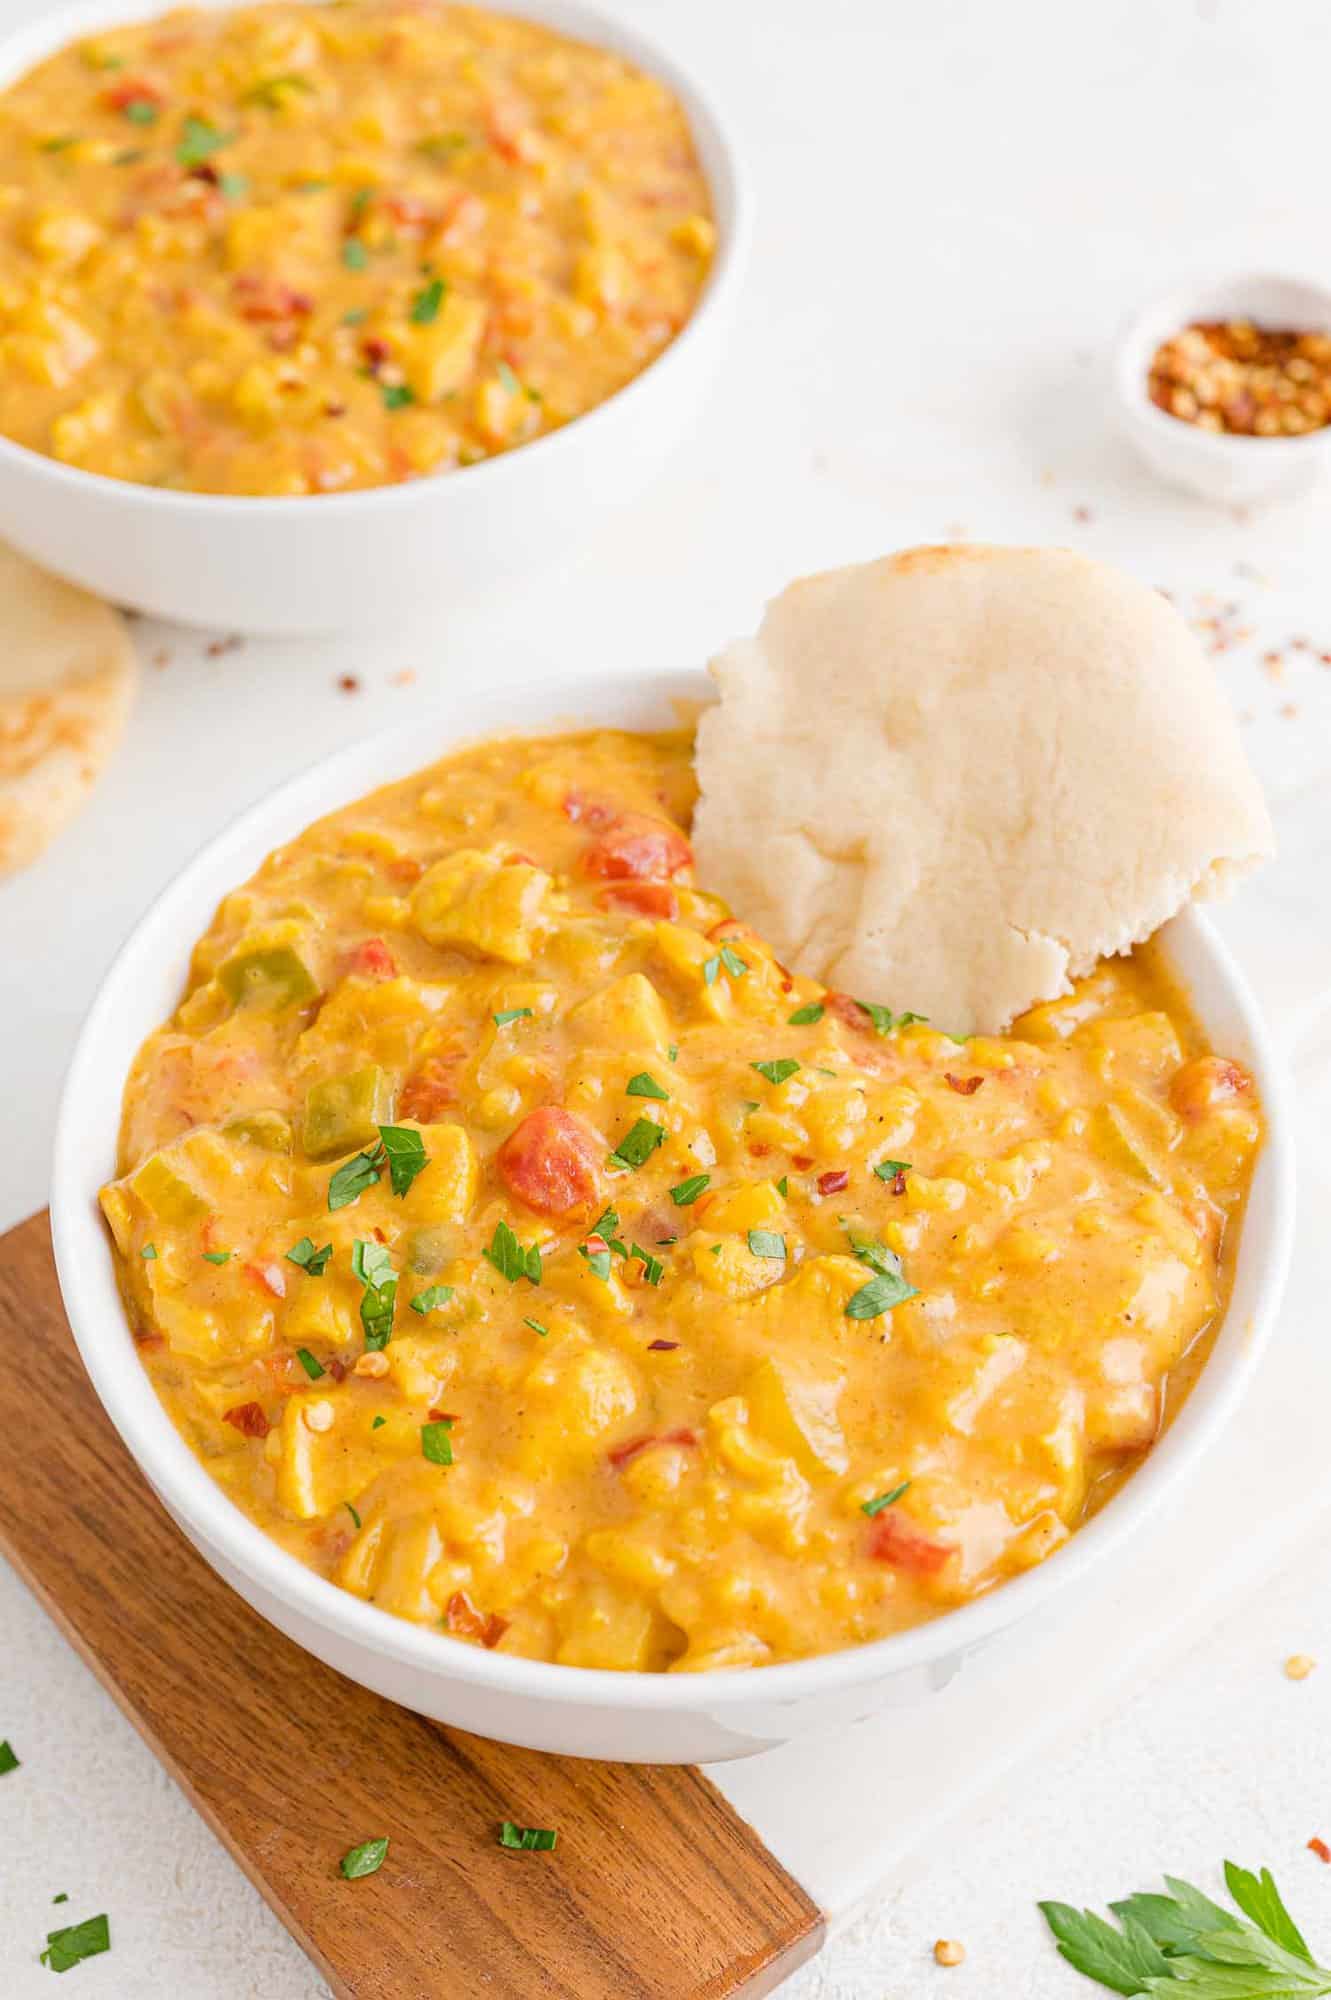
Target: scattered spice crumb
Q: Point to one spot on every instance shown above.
(161, 658)
(349, 683)
(1273, 663)
(1082, 514)
(1289, 709)
(1319, 1847)
(1298, 1666)
(948, 1951)
(230, 643)
(406, 678)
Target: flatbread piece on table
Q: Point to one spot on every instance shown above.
(951, 780)
(67, 677)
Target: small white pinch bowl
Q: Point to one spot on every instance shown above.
(365, 560)
(1231, 471)
(651, 1718)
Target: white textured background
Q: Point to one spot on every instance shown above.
(959, 202)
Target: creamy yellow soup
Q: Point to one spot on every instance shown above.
(294, 249)
(527, 1251)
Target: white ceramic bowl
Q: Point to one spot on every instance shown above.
(650, 1717)
(1230, 470)
(365, 560)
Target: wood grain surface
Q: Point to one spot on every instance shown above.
(657, 1890)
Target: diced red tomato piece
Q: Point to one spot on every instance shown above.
(639, 848)
(897, 1540)
(259, 297)
(645, 899)
(431, 1090)
(372, 960)
(131, 90)
(622, 1453)
(463, 1618)
(833, 1182)
(270, 1276)
(847, 1010)
(965, 1086)
(1204, 1084)
(552, 1161)
(248, 1419)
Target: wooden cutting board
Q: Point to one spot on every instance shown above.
(658, 1890)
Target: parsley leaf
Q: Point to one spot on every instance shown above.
(536, 1327)
(529, 1839)
(313, 1368)
(352, 1178)
(878, 1296)
(199, 141)
(653, 1268)
(308, 1258)
(881, 1017)
(425, 305)
(140, 111)
(406, 1155)
(764, 1243)
(872, 1507)
(436, 1444)
(1121, 1960)
(149, 1251)
(783, 1186)
(354, 254)
(397, 395)
(510, 1258)
(688, 1191)
(511, 1014)
(354, 1515)
(1259, 1900)
(728, 957)
(776, 1072)
(645, 1085)
(366, 1859)
(432, 1296)
(371, 1263)
(887, 1170)
(69, 1947)
(804, 1017)
(8, 1761)
(234, 186)
(217, 1256)
(637, 1145)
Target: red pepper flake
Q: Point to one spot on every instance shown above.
(1082, 514)
(662, 1346)
(337, 1369)
(1320, 1849)
(443, 1416)
(897, 1184)
(372, 959)
(622, 1453)
(248, 1419)
(349, 683)
(834, 1181)
(802, 1160)
(965, 1086)
(230, 643)
(462, 1617)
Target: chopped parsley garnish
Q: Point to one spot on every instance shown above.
(405, 1153)
(728, 957)
(313, 1367)
(69, 1947)
(821, 1069)
(366, 1859)
(59, 145)
(352, 1511)
(371, 1263)
(909, 1020)
(1183, 1942)
(8, 1761)
(598, 1260)
(425, 305)
(776, 1072)
(887, 1170)
(536, 1327)
(765, 1243)
(645, 1085)
(512, 1259)
(432, 1296)
(356, 317)
(688, 1191)
(606, 1226)
(63, 1897)
(888, 1286)
(354, 254)
(217, 1256)
(508, 378)
(397, 395)
(268, 90)
(140, 111)
(352, 1178)
(511, 1014)
(527, 1839)
(804, 1017)
(637, 1145)
(199, 141)
(672, 1052)
(880, 1017)
(129, 157)
(653, 1268)
(234, 186)
(783, 1186)
(378, 1423)
(872, 1507)
(149, 1251)
(436, 1444)
(308, 1258)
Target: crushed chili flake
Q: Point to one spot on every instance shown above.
(965, 1086)
(834, 1181)
(802, 1160)
(248, 1419)
(897, 1184)
(662, 1346)
(349, 683)
(1243, 379)
(231, 643)
(622, 1453)
(1319, 1847)
(463, 1618)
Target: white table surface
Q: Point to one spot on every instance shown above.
(959, 202)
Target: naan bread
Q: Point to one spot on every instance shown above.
(67, 677)
(951, 780)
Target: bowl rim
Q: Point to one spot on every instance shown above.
(227, 1536)
(32, 40)
(1172, 310)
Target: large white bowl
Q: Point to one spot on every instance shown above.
(363, 560)
(649, 1717)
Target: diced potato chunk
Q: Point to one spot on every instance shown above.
(438, 357)
(796, 1410)
(446, 1188)
(628, 1013)
(479, 902)
(578, 1396)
